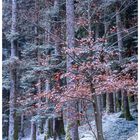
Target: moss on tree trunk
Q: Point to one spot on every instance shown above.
(16, 128)
(118, 100)
(125, 107)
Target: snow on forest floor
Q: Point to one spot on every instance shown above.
(114, 128)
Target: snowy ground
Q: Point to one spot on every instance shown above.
(114, 128)
(134, 137)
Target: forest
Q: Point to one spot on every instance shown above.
(69, 69)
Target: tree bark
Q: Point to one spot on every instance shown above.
(96, 102)
(125, 106)
(105, 96)
(58, 131)
(57, 30)
(97, 31)
(100, 102)
(114, 100)
(132, 98)
(97, 114)
(72, 123)
(125, 103)
(22, 127)
(104, 100)
(13, 133)
(98, 119)
(119, 34)
(109, 103)
(118, 100)
(40, 121)
(50, 127)
(33, 130)
(54, 127)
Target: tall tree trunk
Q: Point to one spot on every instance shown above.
(125, 103)
(100, 103)
(72, 123)
(104, 100)
(97, 114)
(57, 30)
(58, 120)
(33, 130)
(118, 100)
(109, 103)
(105, 96)
(96, 100)
(132, 98)
(48, 128)
(13, 132)
(114, 101)
(97, 31)
(39, 121)
(125, 106)
(22, 127)
(58, 130)
(119, 29)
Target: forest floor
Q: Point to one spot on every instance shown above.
(114, 128)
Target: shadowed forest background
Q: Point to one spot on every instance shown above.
(69, 69)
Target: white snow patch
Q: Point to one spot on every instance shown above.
(113, 127)
(135, 137)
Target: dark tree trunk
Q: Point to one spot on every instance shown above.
(98, 118)
(40, 129)
(97, 31)
(33, 130)
(40, 121)
(104, 100)
(132, 98)
(49, 127)
(119, 29)
(96, 102)
(58, 125)
(125, 103)
(55, 128)
(97, 114)
(114, 100)
(57, 32)
(118, 100)
(109, 103)
(58, 128)
(125, 106)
